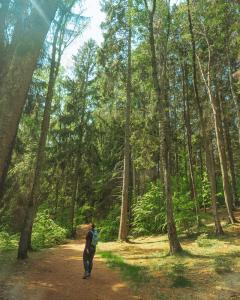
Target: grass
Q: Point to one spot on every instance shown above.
(136, 275)
(204, 241)
(222, 265)
(196, 273)
(177, 276)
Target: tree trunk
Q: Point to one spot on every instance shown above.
(222, 156)
(123, 229)
(165, 132)
(56, 196)
(228, 143)
(234, 96)
(16, 78)
(74, 201)
(33, 198)
(205, 136)
(189, 141)
(3, 17)
(215, 105)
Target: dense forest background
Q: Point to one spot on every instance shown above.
(142, 137)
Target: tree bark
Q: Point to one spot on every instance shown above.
(205, 136)
(215, 105)
(74, 200)
(123, 228)
(162, 110)
(189, 141)
(233, 93)
(3, 17)
(33, 198)
(16, 78)
(228, 143)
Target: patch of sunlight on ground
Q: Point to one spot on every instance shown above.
(199, 264)
(118, 286)
(33, 284)
(73, 258)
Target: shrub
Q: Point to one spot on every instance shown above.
(7, 241)
(46, 233)
(184, 212)
(149, 212)
(184, 207)
(108, 228)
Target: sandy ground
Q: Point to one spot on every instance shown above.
(56, 274)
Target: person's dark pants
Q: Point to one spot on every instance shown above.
(88, 259)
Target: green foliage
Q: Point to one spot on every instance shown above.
(177, 276)
(203, 191)
(222, 264)
(137, 275)
(86, 135)
(204, 241)
(7, 241)
(46, 233)
(184, 212)
(84, 214)
(108, 228)
(183, 205)
(149, 212)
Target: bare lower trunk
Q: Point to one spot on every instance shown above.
(56, 197)
(73, 205)
(222, 156)
(123, 229)
(228, 144)
(189, 142)
(26, 233)
(234, 95)
(213, 186)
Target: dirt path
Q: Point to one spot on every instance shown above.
(56, 274)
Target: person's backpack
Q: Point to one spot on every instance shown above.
(94, 237)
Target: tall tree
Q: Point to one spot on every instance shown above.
(215, 105)
(205, 136)
(58, 46)
(162, 109)
(123, 229)
(20, 57)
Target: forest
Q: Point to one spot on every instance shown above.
(141, 136)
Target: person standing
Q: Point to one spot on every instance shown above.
(89, 250)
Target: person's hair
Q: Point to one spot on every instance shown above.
(93, 225)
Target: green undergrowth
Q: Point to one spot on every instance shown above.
(7, 241)
(135, 275)
(46, 233)
(177, 276)
(223, 264)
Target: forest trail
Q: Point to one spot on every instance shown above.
(56, 274)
